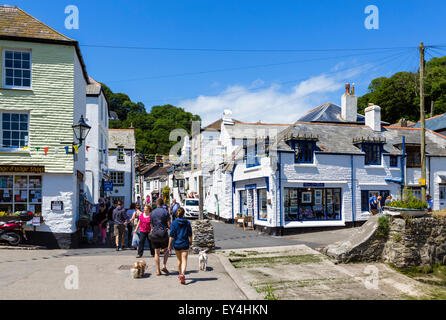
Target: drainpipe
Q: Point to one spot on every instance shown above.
(353, 190)
(403, 167)
(233, 188)
(280, 191)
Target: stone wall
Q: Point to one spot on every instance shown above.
(414, 242)
(409, 242)
(203, 235)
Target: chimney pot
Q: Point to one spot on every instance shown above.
(347, 88)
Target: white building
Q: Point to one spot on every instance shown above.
(121, 165)
(96, 166)
(321, 171)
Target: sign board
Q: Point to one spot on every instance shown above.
(314, 185)
(250, 186)
(108, 185)
(57, 205)
(36, 221)
(23, 169)
(422, 182)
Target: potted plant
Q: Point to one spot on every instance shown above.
(409, 206)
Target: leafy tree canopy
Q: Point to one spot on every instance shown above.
(152, 129)
(398, 96)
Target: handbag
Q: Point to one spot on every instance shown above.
(135, 240)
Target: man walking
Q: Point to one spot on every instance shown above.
(160, 223)
(174, 207)
(373, 202)
(120, 221)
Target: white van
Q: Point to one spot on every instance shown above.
(191, 208)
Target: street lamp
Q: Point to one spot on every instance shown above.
(81, 130)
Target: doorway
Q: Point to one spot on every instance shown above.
(442, 196)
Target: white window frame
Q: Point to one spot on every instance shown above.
(112, 173)
(119, 158)
(4, 149)
(4, 69)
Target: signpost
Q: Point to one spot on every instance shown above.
(108, 185)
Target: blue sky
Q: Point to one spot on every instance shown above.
(292, 83)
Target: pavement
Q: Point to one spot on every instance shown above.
(103, 273)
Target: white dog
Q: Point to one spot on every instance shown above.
(203, 260)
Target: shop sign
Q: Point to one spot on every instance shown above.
(250, 186)
(108, 185)
(36, 221)
(314, 185)
(22, 169)
(57, 205)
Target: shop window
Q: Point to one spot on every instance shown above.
(20, 193)
(393, 161)
(116, 199)
(243, 203)
(118, 178)
(373, 153)
(312, 204)
(262, 204)
(367, 194)
(303, 151)
(17, 69)
(413, 158)
(14, 130)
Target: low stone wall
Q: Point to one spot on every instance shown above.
(203, 235)
(414, 242)
(408, 242)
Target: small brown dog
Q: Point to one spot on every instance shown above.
(139, 269)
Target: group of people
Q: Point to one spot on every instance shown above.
(162, 228)
(375, 203)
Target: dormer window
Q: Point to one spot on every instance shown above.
(303, 151)
(121, 154)
(373, 153)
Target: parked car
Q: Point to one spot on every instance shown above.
(191, 208)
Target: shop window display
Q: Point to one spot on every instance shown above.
(312, 204)
(262, 199)
(20, 193)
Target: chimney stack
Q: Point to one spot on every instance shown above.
(373, 117)
(227, 117)
(349, 105)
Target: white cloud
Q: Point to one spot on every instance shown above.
(270, 104)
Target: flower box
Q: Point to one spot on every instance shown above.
(405, 212)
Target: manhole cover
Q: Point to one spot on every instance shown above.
(124, 267)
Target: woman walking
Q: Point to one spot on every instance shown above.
(181, 238)
(144, 230)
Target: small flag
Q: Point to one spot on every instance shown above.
(46, 150)
(37, 149)
(56, 150)
(25, 148)
(76, 148)
(88, 147)
(66, 149)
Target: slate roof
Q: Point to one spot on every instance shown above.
(121, 138)
(94, 88)
(216, 125)
(435, 123)
(17, 25)
(252, 130)
(329, 112)
(159, 172)
(338, 138)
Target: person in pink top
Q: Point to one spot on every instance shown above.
(144, 230)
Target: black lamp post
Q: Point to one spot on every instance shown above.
(81, 130)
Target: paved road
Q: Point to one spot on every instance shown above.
(228, 236)
(104, 274)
